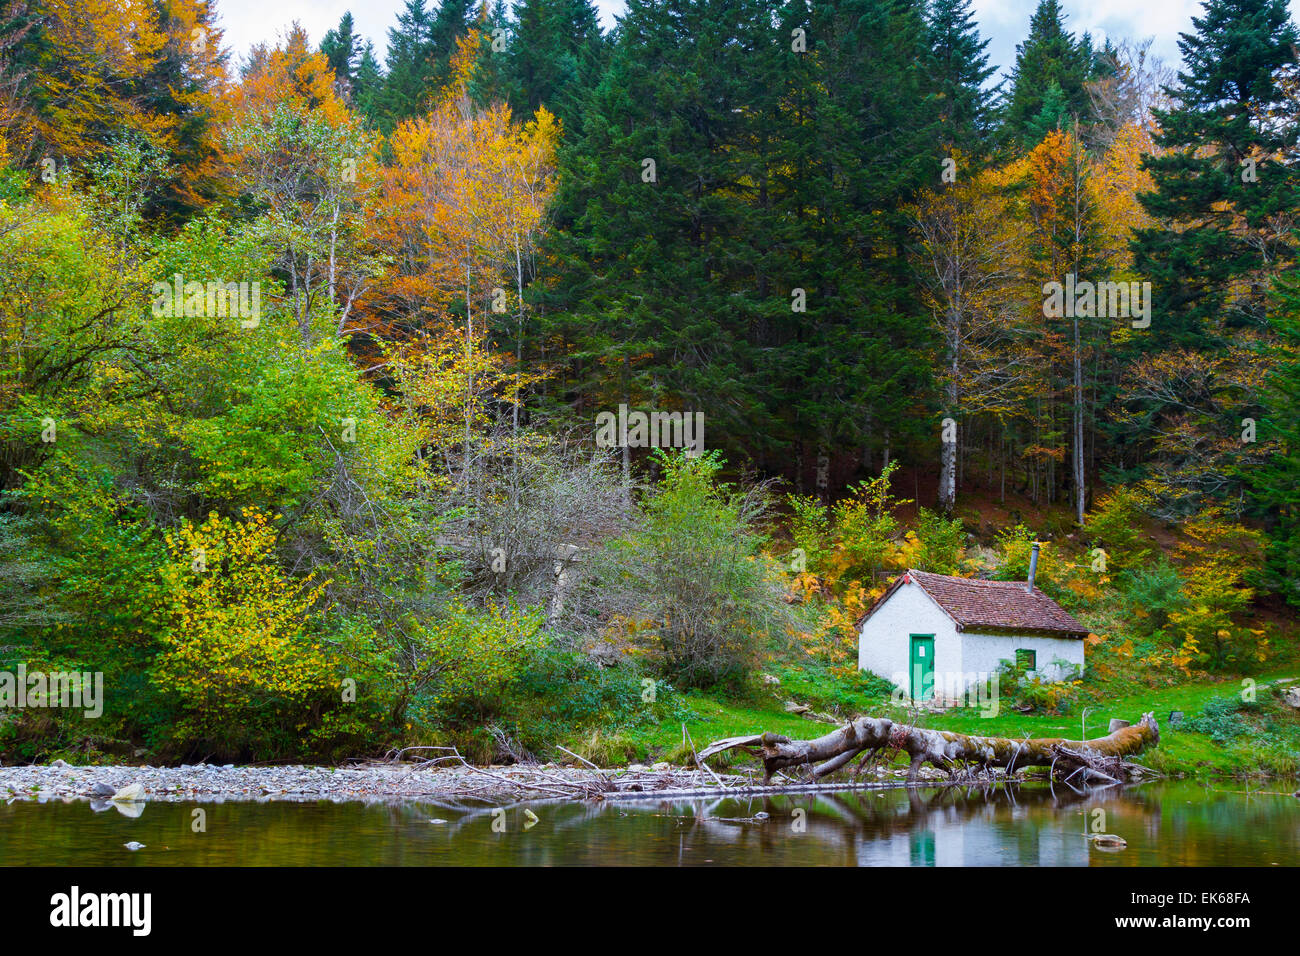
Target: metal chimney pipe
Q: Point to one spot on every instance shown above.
(1033, 565)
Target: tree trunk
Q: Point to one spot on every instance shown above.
(948, 460)
(1099, 758)
(1080, 490)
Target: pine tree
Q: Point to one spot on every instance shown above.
(409, 66)
(961, 69)
(183, 87)
(368, 84)
(1218, 184)
(490, 80)
(760, 275)
(451, 22)
(1054, 115)
(555, 56)
(1277, 485)
(341, 49)
(1049, 55)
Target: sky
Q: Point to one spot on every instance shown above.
(1004, 22)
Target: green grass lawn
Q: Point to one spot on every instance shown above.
(1269, 742)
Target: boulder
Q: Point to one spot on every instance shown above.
(1107, 841)
(131, 793)
(1292, 698)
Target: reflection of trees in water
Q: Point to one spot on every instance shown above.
(1208, 822)
(1027, 824)
(1168, 822)
(950, 826)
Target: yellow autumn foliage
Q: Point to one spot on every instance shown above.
(236, 643)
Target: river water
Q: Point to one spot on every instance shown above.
(1166, 823)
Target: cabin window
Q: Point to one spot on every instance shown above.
(1026, 660)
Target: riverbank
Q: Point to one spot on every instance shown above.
(384, 781)
(1261, 740)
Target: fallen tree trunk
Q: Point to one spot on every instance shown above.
(1098, 760)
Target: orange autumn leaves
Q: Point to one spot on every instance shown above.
(95, 70)
(987, 243)
(461, 210)
(454, 207)
(464, 200)
(467, 189)
(291, 75)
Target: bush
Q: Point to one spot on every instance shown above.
(467, 660)
(810, 530)
(1015, 546)
(937, 544)
(236, 655)
(692, 584)
(1219, 557)
(1113, 527)
(563, 694)
(1221, 720)
(865, 526)
(1026, 688)
(1152, 592)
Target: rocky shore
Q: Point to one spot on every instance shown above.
(210, 781)
(201, 782)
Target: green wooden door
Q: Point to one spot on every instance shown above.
(922, 666)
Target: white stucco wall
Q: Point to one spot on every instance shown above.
(960, 659)
(884, 643)
(983, 652)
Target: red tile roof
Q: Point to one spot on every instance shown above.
(974, 604)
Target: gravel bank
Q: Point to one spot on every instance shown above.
(61, 781)
(206, 781)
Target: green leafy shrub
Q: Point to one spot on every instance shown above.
(810, 530)
(1152, 592)
(692, 585)
(1113, 527)
(1221, 719)
(865, 526)
(564, 694)
(939, 543)
(1027, 689)
(1015, 546)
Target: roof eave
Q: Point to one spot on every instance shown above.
(998, 630)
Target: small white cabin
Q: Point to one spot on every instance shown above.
(936, 636)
